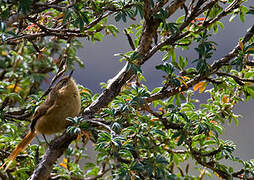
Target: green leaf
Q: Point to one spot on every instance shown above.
(251, 11)
(250, 90)
(135, 55)
(16, 97)
(116, 127)
(93, 172)
(24, 6)
(134, 68)
(177, 100)
(166, 67)
(160, 132)
(182, 62)
(85, 17)
(175, 135)
(232, 17)
(161, 159)
(220, 24)
(118, 16)
(181, 139)
(155, 90)
(67, 16)
(140, 10)
(104, 136)
(123, 15)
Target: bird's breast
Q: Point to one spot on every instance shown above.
(55, 119)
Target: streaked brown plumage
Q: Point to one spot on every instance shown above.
(63, 101)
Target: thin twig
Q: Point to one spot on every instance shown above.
(129, 40)
(236, 78)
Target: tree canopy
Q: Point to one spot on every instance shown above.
(137, 132)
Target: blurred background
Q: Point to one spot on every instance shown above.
(101, 65)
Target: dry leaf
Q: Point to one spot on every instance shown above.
(241, 45)
(198, 85)
(63, 165)
(225, 99)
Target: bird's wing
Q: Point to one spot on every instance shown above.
(42, 110)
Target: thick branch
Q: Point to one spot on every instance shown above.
(60, 144)
(214, 68)
(114, 87)
(56, 149)
(216, 65)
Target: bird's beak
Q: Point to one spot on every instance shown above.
(70, 74)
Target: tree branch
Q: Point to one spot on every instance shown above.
(129, 40)
(56, 149)
(60, 144)
(236, 78)
(149, 31)
(36, 8)
(214, 68)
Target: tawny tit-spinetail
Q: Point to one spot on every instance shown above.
(63, 101)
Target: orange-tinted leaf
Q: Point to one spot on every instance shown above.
(30, 26)
(225, 99)
(154, 119)
(63, 165)
(185, 77)
(10, 86)
(78, 137)
(178, 138)
(60, 15)
(132, 175)
(214, 122)
(185, 84)
(200, 19)
(202, 88)
(182, 82)
(60, 20)
(250, 49)
(4, 53)
(65, 160)
(39, 56)
(198, 85)
(210, 133)
(86, 134)
(85, 91)
(17, 88)
(241, 45)
(56, 60)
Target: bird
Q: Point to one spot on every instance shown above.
(63, 101)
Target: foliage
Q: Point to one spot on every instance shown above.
(137, 133)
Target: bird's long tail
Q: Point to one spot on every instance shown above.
(21, 147)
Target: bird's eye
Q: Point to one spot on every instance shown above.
(64, 83)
